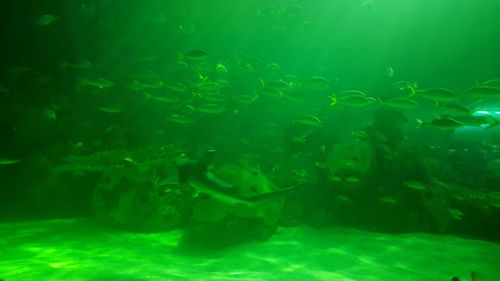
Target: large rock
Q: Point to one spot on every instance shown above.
(349, 159)
(139, 201)
(138, 189)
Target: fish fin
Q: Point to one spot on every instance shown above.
(333, 100)
(270, 195)
(194, 168)
(262, 82)
(419, 123)
(206, 159)
(180, 56)
(380, 101)
(493, 122)
(63, 64)
(190, 107)
(477, 82)
(413, 90)
(81, 81)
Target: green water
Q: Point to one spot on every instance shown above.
(240, 125)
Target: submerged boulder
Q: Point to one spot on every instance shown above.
(137, 190)
(352, 159)
(141, 203)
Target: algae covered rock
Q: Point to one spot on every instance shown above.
(139, 201)
(349, 159)
(137, 189)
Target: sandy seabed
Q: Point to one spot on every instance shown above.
(83, 250)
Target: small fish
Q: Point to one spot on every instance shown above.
(367, 4)
(45, 20)
(308, 120)
(404, 85)
(316, 83)
(272, 66)
(222, 83)
(195, 55)
(6, 161)
(144, 59)
(177, 87)
(87, 8)
(209, 108)
(164, 98)
(352, 179)
(388, 199)
(100, 83)
(444, 123)
(352, 100)
(271, 92)
(181, 65)
(186, 28)
(180, 119)
(220, 68)
(17, 70)
(388, 72)
(360, 135)
(209, 86)
(435, 94)
(455, 213)
(342, 198)
(494, 143)
(350, 93)
(214, 97)
(130, 160)
(136, 86)
(402, 103)
(481, 92)
(300, 173)
(245, 141)
(302, 137)
(80, 64)
(3, 89)
(495, 83)
(110, 109)
(279, 85)
(454, 108)
(414, 185)
(246, 99)
(477, 120)
(321, 165)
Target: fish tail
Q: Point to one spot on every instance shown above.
(413, 89)
(180, 56)
(190, 107)
(476, 81)
(262, 83)
(333, 99)
(380, 101)
(63, 64)
(147, 96)
(271, 195)
(81, 81)
(473, 275)
(189, 168)
(419, 123)
(492, 121)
